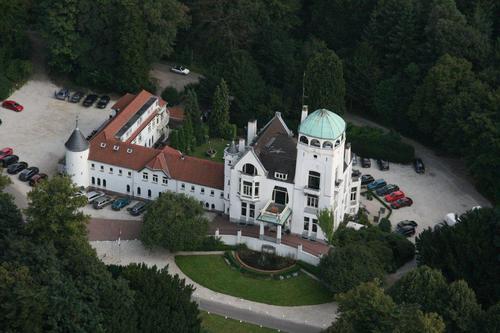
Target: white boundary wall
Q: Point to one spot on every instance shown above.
(281, 249)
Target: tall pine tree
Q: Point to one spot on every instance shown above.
(219, 118)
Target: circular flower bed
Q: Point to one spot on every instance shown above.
(264, 261)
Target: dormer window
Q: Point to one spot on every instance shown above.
(116, 147)
(280, 175)
(249, 169)
(103, 144)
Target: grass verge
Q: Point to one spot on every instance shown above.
(218, 144)
(213, 323)
(214, 273)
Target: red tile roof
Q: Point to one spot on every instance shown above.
(176, 112)
(140, 128)
(135, 160)
(171, 161)
(131, 107)
(123, 101)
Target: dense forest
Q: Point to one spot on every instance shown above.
(429, 69)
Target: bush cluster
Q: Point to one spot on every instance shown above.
(362, 255)
(375, 143)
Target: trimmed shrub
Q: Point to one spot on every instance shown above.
(402, 249)
(171, 96)
(385, 225)
(5, 87)
(375, 143)
(211, 243)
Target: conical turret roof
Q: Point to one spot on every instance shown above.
(77, 141)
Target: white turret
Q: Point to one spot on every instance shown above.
(77, 154)
(230, 158)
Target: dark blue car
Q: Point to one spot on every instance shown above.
(376, 184)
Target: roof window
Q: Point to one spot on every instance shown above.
(116, 147)
(103, 144)
(129, 150)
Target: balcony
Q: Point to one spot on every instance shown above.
(311, 190)
(274, 213)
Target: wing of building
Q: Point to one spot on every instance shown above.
(271, 178)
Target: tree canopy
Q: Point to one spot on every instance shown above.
(175, 222)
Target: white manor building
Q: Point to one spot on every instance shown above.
(271, 179)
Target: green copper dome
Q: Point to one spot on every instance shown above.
(323, 124)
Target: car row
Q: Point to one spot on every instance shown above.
(14, 166)
(383, 165)
(64, 94)
(100, 200)
(391, 192)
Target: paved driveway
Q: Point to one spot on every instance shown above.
(163, 77)
(444, 187)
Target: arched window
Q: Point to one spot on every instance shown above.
(315, 143)
(93, 180)
(104, 182)
(337, 143)
(213, 206)
(138, 191)
(303, 139)
(207, 205)
(314, 180)
(128, 188)
(249, 169)
(149, 193)
(327, 145)
(98, 181)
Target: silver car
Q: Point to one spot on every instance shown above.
(102, 202)
(93, 195)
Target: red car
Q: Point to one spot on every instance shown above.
(400, 203)
(394, 196)
(37, 179)
(14, 106)
(6, 152)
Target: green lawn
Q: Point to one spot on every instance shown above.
(212, 272)
(218, 144)
(213, 323)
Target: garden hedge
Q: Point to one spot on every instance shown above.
(375, 143)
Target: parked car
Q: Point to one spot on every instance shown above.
(180, 70)
(406, 231)
(103, 101)
(376, 184)
(400, 203)
(387, 189)
(93, 195)
(367, 179)
(120, 202)
(407, 223)
(9, 160)
(419, 165)
(383, 164)
(27, 173)
(37, 179)
(396, 195)
(102, 202)
(355, 173)
(6, 152)
(138, 208)
(76, 97)
(16, 167)
(366, 162)
(89, 100)
(62, 94)
(12, 105)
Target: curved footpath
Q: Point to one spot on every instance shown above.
(309, 318)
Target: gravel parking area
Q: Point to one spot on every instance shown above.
(163, 77)
(434, 193)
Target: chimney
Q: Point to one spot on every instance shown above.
(241, 145)
(251, 131)
(304, 113)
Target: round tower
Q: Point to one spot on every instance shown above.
(320, 175)
(230, 157)
(77, 154)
